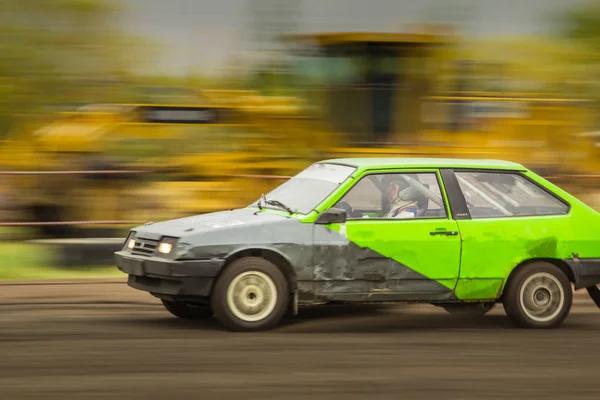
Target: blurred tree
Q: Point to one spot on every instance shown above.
(61, 52)
(517, 64)
(581, 26)
(268, 21)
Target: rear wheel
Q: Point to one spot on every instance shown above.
(252, 294)
(538, 296)
(187, 311)
(468, 309)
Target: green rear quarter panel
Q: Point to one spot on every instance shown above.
(493, 247)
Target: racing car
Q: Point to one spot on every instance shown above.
(461, 234)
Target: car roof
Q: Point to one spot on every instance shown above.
(406, 162)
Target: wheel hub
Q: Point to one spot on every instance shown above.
(252, 296)
(542, 297)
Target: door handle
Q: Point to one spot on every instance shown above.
(447, 233)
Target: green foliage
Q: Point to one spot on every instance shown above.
(566, 64)
(582, 24)
(19, 260)
(60, 52)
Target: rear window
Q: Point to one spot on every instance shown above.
(494, 194)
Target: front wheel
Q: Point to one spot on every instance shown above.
(252, 294)
(538, 296)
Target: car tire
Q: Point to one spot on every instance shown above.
(538, 295)
(186, 311)
(251, 294)
(468, 309)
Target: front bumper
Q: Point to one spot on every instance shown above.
(171, 278)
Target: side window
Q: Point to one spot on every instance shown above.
(493, 195)
(393, 196)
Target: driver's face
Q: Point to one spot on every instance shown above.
(392, 192)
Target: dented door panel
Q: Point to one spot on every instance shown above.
(387, 256)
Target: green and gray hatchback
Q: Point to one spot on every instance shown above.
(460, 234)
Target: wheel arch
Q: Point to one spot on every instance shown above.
(280, 260)
(561, 264)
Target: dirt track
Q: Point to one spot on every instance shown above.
(107, 341)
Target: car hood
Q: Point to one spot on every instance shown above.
(239, 224)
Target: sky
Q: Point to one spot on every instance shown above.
(208, 34)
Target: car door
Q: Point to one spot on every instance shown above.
(506, 218)
(413, 253)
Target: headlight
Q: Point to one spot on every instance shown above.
(165, 248)
(167, 244)
(129, 241)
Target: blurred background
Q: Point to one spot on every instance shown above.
(116, 113)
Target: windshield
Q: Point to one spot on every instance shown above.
(309, 188)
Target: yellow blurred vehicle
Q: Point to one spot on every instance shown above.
(107, 165)
(409, 94)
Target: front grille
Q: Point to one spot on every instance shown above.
(144, 247)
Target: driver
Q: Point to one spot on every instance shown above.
(403, 201)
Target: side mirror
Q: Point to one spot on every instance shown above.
(331, 216)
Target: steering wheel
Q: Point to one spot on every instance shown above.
(349, 210)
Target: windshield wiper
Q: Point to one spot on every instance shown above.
(279, 204)
(263, 201)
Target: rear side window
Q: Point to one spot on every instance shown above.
(494, 195)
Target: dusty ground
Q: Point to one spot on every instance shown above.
(107, 341)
